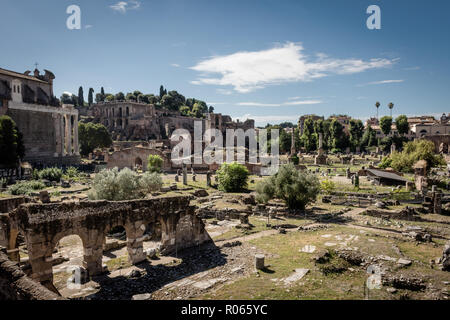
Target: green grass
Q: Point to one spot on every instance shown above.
(283, 257)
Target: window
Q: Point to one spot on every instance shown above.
(1, 103)
(14, 88)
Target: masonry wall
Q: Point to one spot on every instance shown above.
(38, 131)
(15, 285)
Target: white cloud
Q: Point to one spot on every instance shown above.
(224, 92)
(88, 26)
(290, 103)
(273, 119)
(247, 71)
(304, 102)
(382, 82)
(175, 65)
(124, 6)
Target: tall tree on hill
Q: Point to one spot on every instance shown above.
(386, 125)
(103, 95)
(91, 96)
(356, 132)
(11, 143)
(402, 124)
(391, 106)
(162, 91)
(80, 97)
(377, 105)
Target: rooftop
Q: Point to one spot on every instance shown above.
(20, 75)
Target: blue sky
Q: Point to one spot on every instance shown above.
(271, 60)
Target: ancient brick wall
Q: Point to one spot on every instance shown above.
(43, 225)
(38, 131)
(15, 285)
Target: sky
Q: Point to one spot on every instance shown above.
(268, 60)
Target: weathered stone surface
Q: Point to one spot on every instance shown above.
(43, 225)
(140, 297)
(15, 285)
(296, 276)
(259, 261)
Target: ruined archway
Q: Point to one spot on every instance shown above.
(68, 264)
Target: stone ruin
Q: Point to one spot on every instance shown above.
(321, 158)
(44, 225)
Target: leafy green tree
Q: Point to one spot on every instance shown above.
(196, 111)
(66, 99)
(91, 96)
(285, 141)
(130, 97)
(295, 187)
(413, 152)
(356, 132)
(80, 97)
(386, 125)
(11, 143)
(51, 174)
(152, 99)
(120, 96)
(309, 139)
(232, 177)
(115, 185)
(162, 92)
(92, 136)
(402, 124)
(185, 111)
(99, 98)
(211, 109)
(339, 140)
(369, 138)
(391, 106)
(151, 182)
(154, 163)
(109, 97)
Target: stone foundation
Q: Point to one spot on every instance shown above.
(44, 225)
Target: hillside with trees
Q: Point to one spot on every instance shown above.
(166, 100)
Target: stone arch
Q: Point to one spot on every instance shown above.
(138, 162)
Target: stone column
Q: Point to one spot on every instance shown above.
(57, 127)
(62, 135)
(76, 148)
(41, 261)
(68, 134)
(93, 254)
(135, 242)
(184, 174)
(168, 234)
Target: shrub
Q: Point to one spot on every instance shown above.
(413, 152)
(154, 163)
(114, 185)
(232, 177)
(72, 172)
(327, 186)
(295, 160)
(296, 188)
(150, 182)
(25, 187)
(52, 174)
